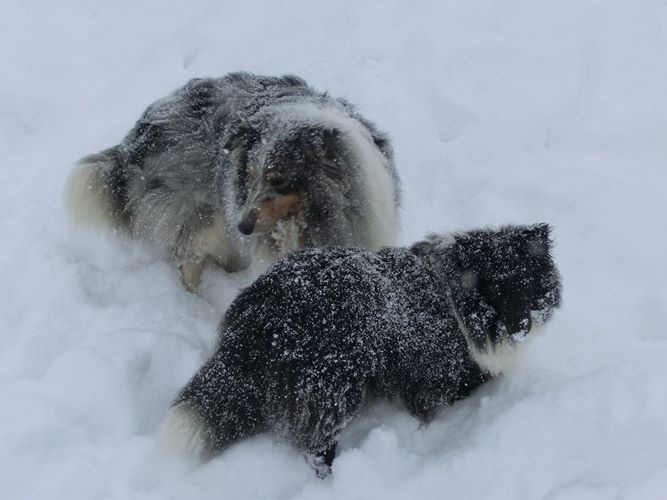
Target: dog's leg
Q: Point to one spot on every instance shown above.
(322, 460)
(213, 241)
(197, 240)
(328, 455)
(191, 274)
(232, 261)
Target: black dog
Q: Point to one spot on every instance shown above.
(323, 331)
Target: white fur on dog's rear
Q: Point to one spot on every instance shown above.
(87, 197)
(382, 222)
(182, 432)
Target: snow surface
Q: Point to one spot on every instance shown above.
(518, 111)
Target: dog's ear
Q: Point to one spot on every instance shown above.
(538, 239)
(317, 141)
(238, 147)
(324, 147)
(331, 142)
(244, 136)
(465, 250)
(543, 272)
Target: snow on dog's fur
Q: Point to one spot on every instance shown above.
(269, 157)
(322, 332)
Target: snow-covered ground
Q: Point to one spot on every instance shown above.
(515, 111)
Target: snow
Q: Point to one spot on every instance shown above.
(500, 112)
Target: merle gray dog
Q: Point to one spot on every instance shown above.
(324, 331)
(269, 157)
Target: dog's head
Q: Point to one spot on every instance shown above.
(277, 170)
(506, 281)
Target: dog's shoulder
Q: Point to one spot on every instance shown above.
(327, 268)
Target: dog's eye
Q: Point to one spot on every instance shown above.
(283, 188)
(272, 175)
(278, 181)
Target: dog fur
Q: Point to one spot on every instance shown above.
(324, 331)
(270, 157)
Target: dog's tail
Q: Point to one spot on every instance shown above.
(89, 191)
(184, 432)
(217, 407)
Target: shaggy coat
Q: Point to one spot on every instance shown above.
(240, 167)
(312, 340)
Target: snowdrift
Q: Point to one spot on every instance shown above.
(511, 112)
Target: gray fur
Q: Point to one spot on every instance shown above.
(180, 179)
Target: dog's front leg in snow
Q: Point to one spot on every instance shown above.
(190, 273)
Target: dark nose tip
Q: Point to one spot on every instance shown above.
(247, 224)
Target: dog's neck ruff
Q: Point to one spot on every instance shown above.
(288, 235)
(494, 358)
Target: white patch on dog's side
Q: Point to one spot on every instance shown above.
(501, 358)
(381, 225)
(494, 360)
(87, 199)
(182, 432)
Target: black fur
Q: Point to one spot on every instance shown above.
(322, 332)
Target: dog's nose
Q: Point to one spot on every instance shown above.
(247, 223)
(246, 226)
